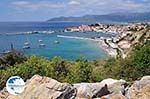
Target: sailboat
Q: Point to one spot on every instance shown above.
(56, 42)
(26, 45)
(41, 43)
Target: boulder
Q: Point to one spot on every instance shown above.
(39, 87)
(115, 86)
(114, 96)
(46, 88)
(140, 89)
(105, 87)
(90, 90)
(4, 94)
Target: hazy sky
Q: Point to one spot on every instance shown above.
(41, 10)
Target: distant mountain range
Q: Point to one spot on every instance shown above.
(115, 17)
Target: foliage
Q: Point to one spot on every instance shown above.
(11, 59)
(132, 67)
(81, 71)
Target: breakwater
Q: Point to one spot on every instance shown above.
(30, 32)
(75, 37)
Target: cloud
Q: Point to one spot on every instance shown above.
(19, 3)
(69, 7)
(36, 6)
(112, 6)
(74, 3)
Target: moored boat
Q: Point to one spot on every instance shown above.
(40, 41)
(42, 45)
(56, 42)
(26, 47)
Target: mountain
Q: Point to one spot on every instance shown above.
(115, 17)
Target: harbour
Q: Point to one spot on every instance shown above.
(51, 45)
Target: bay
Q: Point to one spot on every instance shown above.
(70, 49)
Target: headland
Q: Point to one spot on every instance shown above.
(127, 35)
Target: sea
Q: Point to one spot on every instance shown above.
(11, 33)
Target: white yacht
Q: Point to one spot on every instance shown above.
(26, 47)
(26, 43)
(40, 41)
(56, 42)
(42, 45)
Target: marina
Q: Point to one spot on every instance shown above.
(50, 45)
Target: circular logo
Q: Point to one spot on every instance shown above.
(15, 85)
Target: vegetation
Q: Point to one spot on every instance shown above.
(131, 68)
(11, 59)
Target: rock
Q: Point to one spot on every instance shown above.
(114, 96)
(39, 87)
(4, 94)
(145, 78)
(115, 86)
(117, 96)
(94, 90)
(140, 89)
(46, 88)
(90, 90)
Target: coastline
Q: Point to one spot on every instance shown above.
(109, 51)
(114, 46)
(118, 44)
(99, 42)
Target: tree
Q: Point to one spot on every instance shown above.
(11, 59)
(82, 71)
(60, 68)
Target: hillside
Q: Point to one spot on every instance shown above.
(115, 17)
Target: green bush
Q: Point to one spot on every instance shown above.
(132, 67)
(11, 59)
(80, 71)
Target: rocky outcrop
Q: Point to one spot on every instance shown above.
(46, 88)
(140, 89)
(39, 87)
(94, 90)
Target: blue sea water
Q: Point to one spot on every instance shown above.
(70, 49)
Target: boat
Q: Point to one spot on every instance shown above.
(42, 45)
(26, 43)
(26, 47)
(57, 42)
(40, 41)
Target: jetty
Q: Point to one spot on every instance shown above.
(75, 37)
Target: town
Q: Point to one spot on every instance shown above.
(127, 35)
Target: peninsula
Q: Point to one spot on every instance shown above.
(127, 36)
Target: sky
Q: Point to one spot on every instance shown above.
(42, 10)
